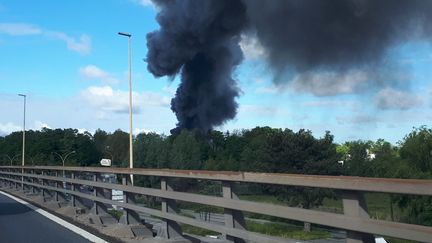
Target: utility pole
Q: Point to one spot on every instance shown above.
(130, 104)
(23, 138)
(23, 142)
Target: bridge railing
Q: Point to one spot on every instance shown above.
(354, 219)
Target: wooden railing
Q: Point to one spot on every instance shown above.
(355, 219)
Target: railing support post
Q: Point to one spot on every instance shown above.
(17, 178)
(170, 229)
(75, 200)
(22, 179)
(32, 180)
(10, 177)
(45, 192)
(59, 196)
(233, 218)
(27, 188)
(354, 204)
(98, 207)
(99, 210)
(129, 216)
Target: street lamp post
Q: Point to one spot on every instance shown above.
(130, 103)
(63, 161)
(65, 157)
(112, 156)
(24, 120)
(11, 159)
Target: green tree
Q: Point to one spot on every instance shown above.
(151, 150)
(416, 147)
(185, 151)
(357, 162)
(118, 145)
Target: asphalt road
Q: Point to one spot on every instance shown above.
(20, 224)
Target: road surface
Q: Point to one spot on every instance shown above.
(19, 223)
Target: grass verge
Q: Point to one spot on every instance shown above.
(285, 230)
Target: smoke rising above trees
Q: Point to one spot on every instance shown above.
(199, 40)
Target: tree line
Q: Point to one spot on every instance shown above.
(261, 149)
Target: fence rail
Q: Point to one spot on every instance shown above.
(355, 219)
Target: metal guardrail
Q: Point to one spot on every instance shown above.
(355, 219)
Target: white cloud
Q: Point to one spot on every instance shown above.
(330, 83)
(267, 90)
(38, 125)
(94, 72)
(357, 119)
(106, 99)
(81, 45)
(84, 130)
(252, 48)
(259, 80)
(9, 127)
(137, 131)
(18, 29)
(389, 98)
(145, 3)
(321, 103)
(170, 90)
(329, 103)
(258, 110)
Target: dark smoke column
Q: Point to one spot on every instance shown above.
(199, 40)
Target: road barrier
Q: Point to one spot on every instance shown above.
(355, 219)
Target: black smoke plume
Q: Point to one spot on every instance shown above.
(305, 35)
(199, 39)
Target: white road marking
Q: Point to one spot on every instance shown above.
(58, 220)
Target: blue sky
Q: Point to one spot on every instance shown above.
(67, 57)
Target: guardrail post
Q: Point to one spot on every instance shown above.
(5, 178)
(27, 179)
(13, 177)
(59, 196)
(73, 189)
(75, 200)
(33, 188)
(22, 179)
(97, 206)
(99, 210)
(2, 180)
(170, 229)
(233, 218)
(129, 216)
(10, 177)
(45, 192)
(17, 178)
(354, 205)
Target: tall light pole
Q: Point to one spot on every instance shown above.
(24, 120)
(130, 103)
(23, 143)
